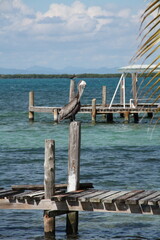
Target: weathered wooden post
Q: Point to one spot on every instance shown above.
(104, 98)
(134, 88)
(122, 92)
(49, 184)
(150, 114)
(94, 110)
(31, 104)
(55, 113)
(109, 117)
(72, 90)
(73, 171)
(136, 117)
(126, 117)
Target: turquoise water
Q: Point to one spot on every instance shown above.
(114, 156)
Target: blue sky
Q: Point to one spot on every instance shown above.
(59, 34)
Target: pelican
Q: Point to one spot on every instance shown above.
(70, 110)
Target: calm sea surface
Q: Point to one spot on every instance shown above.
(114, 156)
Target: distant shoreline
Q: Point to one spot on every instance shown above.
(84, 75)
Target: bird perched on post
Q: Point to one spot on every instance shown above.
(70, 109)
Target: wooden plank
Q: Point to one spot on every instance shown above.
(154, 201)
(101, 196)
(41, 186)
(128, 195)
(8, 193)
(75, 195)
(151, 197)
(62, 197)
(112, 198)
(85, 198)
(19, 196)
(136, 198)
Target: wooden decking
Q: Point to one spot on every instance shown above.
(135, 201)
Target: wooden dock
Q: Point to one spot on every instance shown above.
(74, 197)
(94, 109)
(88, 199)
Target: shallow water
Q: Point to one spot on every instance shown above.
(113, 156)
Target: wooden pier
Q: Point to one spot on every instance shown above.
(99, 109)
(74, 197)
(134, 107)
(135, 201)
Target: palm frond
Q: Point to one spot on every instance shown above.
(148, 48)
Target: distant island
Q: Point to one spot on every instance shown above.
(83, 75)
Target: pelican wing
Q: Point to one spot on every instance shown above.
(69, 109)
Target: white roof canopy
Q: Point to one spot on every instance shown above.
(137, 68)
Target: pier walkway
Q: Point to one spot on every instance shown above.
(88, 199)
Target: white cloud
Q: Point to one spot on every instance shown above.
(62, 26)
(125, 13)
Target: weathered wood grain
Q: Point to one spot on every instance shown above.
(149, 198)
(136, 198)
(49, 168)
(128, 195)
(112, 198)
(73, 172)
(100, 197)
(49, 185)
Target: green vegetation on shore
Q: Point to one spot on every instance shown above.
(84, 75)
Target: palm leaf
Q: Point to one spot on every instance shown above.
(148, 48)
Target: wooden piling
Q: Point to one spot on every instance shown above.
(72, 90)
(94, 110)
(104, 96)
(73, 172)
(134, 88)
(126, 117)
(109, 117)
(49, 185)
(31, 104)
(150, 114)
(136, 117)
(55, 113)
(104, 99)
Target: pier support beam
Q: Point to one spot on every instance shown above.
(150, 114)
(109, 117)
(136, 117)
(49, 185)
(94, 110)
(31, 104)
(126, 117)
(134, 88)
(55, 113)
(73, 172)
